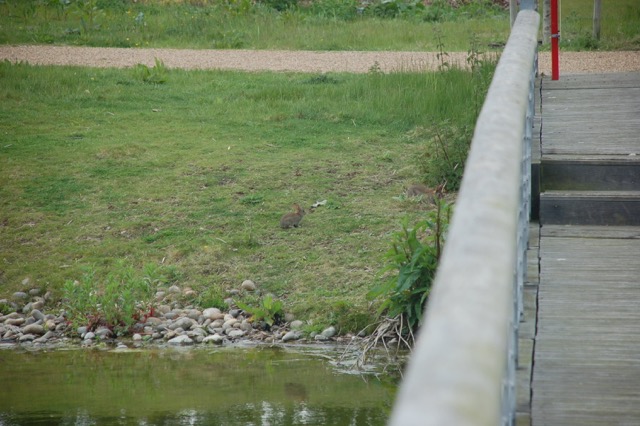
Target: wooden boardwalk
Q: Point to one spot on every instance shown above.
(586, 352)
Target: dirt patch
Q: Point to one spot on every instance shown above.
(299, 61)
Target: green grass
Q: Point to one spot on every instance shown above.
(318, 25)
(100, 169)
(325, 25)
(620, 25)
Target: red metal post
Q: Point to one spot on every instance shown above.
(555, 39)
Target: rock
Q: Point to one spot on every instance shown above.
(229, 301)
(292, 335)
(153, 321)
(235, 333)
(174, 289)
(160, 295)
(38, 315)
(212, 314)
(246, 326)
(27, 308)
(103, 333)
(296, 325)
(197, 332)
(248, 285)
(49, 335)
(170, 315)
(164, 309)
(329, 332)
(194, 314)
(214, 338)
(20, 295)
(37, 305)
(190, 294)
(289, 317)
(50, 325)
(26, 338)
(15, 321)
(229, 323)
(183, 323)
(81, 330)
(320, 338)
(26, 281)
(33, 329)
(48, 296)
(181, 340)
(234, 313)
(89, 336)
(137, 337)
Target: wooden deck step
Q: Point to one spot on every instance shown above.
(605, 208)
(591, 173)
(587, 367)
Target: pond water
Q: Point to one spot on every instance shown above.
(194, 386)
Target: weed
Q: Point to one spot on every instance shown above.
(445, 153)
(413, 258)
(441, 54)
(269, 310)
(117, 301)
(6, 308)
(152, 75)
(212, 297)
(89, 14)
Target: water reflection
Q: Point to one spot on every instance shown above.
(237, 386)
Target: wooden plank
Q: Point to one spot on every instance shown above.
(586, 232)
(601, 175)
(591, 115)
(587, 367)
(608, 208)
(590, 81)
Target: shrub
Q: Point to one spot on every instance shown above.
(413, 258)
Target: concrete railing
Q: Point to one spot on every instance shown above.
(462, 370)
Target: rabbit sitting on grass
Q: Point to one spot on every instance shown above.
(420, 190)
(292, 220)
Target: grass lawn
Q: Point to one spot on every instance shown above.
(99, 168)
(318, 25)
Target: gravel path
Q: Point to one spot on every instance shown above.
(302, 61)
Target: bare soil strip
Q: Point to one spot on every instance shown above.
(298, 61)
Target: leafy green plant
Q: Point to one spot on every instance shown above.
(152, 75)
(413, 259)
(269, 310)
(89, 13)
(117, 301)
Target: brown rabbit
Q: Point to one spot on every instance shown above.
(420, 190)
(292, 220)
